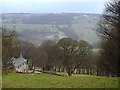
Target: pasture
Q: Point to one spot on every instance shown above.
(13, 80)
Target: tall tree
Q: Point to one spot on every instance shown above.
(42, 56)
(73, 53)
(54, 59)
(8, 48)
(109, 30)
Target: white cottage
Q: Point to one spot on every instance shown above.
(20, 64)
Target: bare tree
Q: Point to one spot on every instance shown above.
(73, 53)
(8, 48)
(109, 30)
(41, 57)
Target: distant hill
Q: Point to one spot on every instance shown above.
(37, 28)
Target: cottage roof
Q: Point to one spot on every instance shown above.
(19, 61)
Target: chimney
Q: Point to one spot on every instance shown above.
(21, 55)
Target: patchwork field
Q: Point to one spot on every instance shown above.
(13, 80)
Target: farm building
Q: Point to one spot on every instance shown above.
(20, 64)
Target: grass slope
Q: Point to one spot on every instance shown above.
(51, 81)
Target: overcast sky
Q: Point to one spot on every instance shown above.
(53, 6)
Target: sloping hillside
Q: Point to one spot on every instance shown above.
(36, 28)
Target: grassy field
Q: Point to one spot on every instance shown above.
(13, 80)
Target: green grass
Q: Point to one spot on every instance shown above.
(13, 80)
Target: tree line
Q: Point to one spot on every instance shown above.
(67, 54)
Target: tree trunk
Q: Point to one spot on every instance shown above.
(55, 69)
(87, 71)
(62, 70)
(58, 69)
(33, 69)
(97, 72)
(83, 70)
(90, 71)
(79, 71)
(69, 71)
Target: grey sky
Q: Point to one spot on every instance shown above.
(53, 6)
